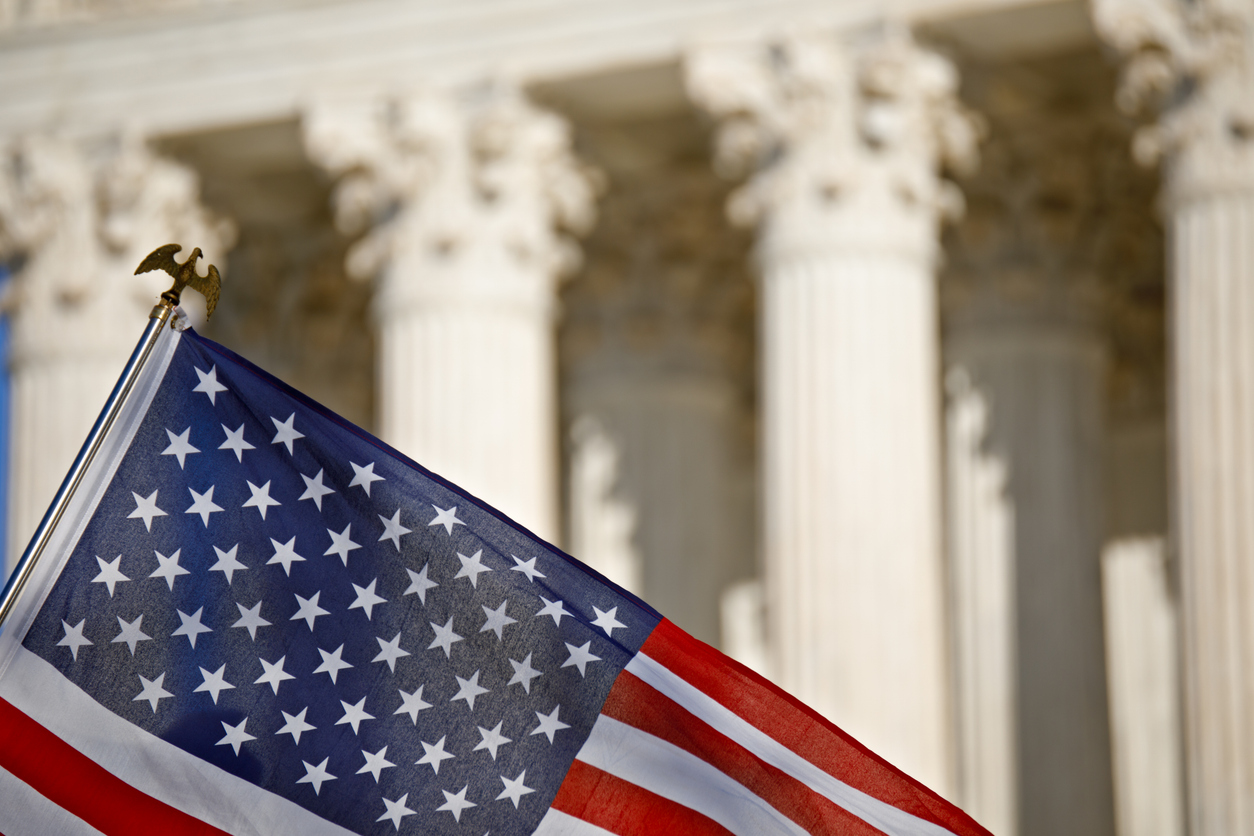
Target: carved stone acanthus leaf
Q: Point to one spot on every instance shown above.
(77, 219)
(1193, 64)
(441, 177)
(826, 124)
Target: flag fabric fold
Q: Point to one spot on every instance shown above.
(255, 618)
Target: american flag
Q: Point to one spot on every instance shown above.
(255, 618)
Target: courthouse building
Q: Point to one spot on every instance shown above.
(904, 351)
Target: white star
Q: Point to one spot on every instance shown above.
(418, 584)
(468, 690)
(287, 433)
(446, 518)
(497, 620)
(179, 446)
(235, 442)
(472, 567)
(285, 554)
(191, 626)
(549, 724)
(354, 714)
(366, 599)
(215, 683)
(203, 504)
(607, 621)
(316, 775)
(375, 764)
(411, 704)
(332, 663)
(251, 619)
(523, 673)
(274, 674)
(261, 499)
(227, 564)
(314, 489)
(235, 735)
(580, 657)
(309, 609)
(456, 802)
(341, 543)
(364, 476)
(392, 529)
(168, 568)
(515, 789)
(396, 810)
(444, 638)
(434, 754)
(295, 725)
(74, 639)
(528, 568)
(209, 384)
(152, 691)
(492, 739)
(146, 509)
(555, 609)
(110, 574)
(131, 634)
(390, 651)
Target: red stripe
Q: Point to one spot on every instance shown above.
(81, 786)
(799, 727)
(621, 807)
(639, 705)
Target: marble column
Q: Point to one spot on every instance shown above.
(657, 378)
(1193, 65)
(78, 218)
(843, 142)
(463, 200)
(1026, 384)
(1144, 682)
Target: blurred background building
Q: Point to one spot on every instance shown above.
(838, 331)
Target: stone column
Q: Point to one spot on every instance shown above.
(79, 219)
(1026, 380)
(1193, 63)
(462, 200)
(1144, 682)
(843, 142)
(657, 368)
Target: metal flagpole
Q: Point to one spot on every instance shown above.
(184, 276)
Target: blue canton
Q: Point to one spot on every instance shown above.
(273, 590)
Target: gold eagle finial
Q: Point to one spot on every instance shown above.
(184, 274)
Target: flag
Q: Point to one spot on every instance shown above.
(255, 618)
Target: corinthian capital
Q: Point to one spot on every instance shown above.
(452, 180)
(1191, 63)
(79, 219)
(825, 124)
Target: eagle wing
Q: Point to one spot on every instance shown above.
(209, 286)
(161, 258)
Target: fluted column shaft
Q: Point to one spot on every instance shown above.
(844, 142)
(850, 495)
(1025, 460)
(1191, 64)
(463, 197)
(1212, 266)
(82, 220)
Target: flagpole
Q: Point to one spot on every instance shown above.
(184, 276)
(160, 315)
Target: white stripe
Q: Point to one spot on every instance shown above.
(878, 814)
(557, 823)
(665, 769)
(24, 812)
(148, 763)
(95, 481)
